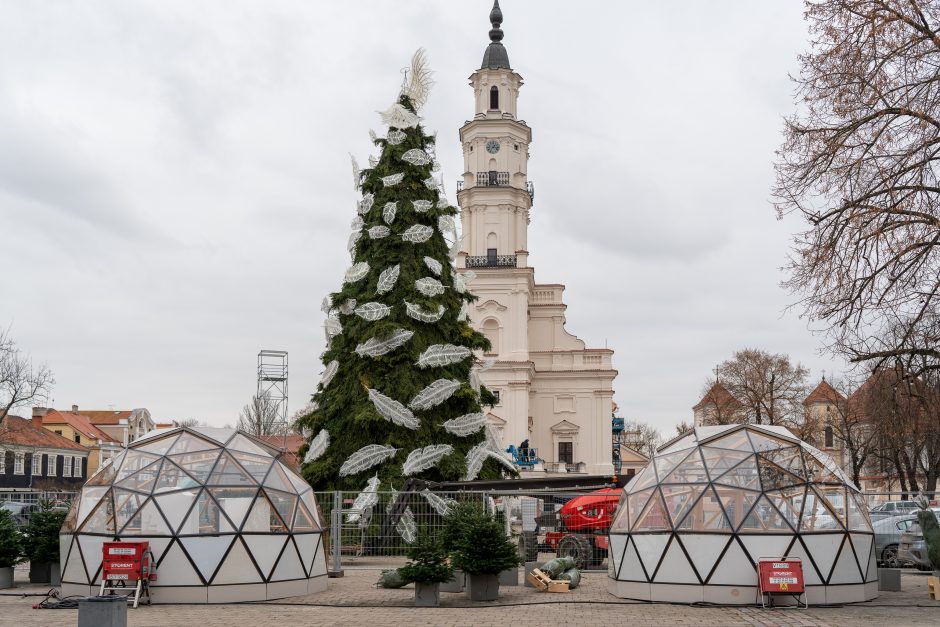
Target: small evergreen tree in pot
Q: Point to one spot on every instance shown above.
(11, 548)
(428, 569)
(41, 544)
(481, 549)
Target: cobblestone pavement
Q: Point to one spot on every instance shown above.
(352, 599)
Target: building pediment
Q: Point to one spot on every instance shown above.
(565, 427)
(490, 306)
(495, 420)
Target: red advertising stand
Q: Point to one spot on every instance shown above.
(126, 564)
(780, 575)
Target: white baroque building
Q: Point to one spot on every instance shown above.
(553, 391)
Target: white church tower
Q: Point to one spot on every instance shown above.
(552, 391)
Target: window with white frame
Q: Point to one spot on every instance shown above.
(67, 466)
(37, 464)
(50, 465)
(18, 463)
(77, 472)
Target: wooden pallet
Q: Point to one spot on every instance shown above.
(544, 583)
(933, 588)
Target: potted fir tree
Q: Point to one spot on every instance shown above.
(11, 548)
(482, 550)
(41, 545)
(428, 569)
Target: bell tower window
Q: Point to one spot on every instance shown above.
(494, 98)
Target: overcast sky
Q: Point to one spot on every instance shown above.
(175, 188)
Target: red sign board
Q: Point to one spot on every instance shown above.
(126, 561)
(781, 575)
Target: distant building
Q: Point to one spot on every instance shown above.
(718, 407)
(291, 447)
(36, 459)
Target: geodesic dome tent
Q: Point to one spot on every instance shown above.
(226, 520)
(692, 525)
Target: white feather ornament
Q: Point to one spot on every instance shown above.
(398, 116)
(431, 183)
(348, 307)
(356, 172)
(434, 394)
(442, 355)
(421, 206)
(455, 248)
(475, 374)
(356, 223)
(395, 137)
(388, 212)
(372, 311)
(373, 136)
(417, 234)
(328, 374)
(429, 286)
(356, 272)
(414, 311)
(465, 425)
(503, 458)
(318, 446)
(435, 167)
(406, 526)
(365, 501)
(416, 156)
(366, 203)
(378, 232)
(332, 327)
(325, 305)
(442, 203)
(387, 279)
(446, 224)
(462, 280)
(374, 347)
(475, 458)
(392, 179)
(393, 411)
(421, 459)
(462, 314)
(441, 505)
(373, 161)
(351, 244)
(393, 496)
(419, 82)
(433, 265)
(365, 458)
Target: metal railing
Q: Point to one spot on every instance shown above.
(492, 178)
(491, 261)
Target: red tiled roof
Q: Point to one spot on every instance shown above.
(718, 395)
(20, 431)
(824, 393)
(105, 417)
(79, 422)
(292, 446)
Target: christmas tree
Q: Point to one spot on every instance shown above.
(400, 395)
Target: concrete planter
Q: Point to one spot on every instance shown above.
(456, 584)
(40, 572)
(55, 577)
(509, 577)
(6, 577)
(483, 587)
(427, 594)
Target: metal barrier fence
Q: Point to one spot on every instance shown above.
(379, 536)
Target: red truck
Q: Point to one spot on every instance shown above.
(581, 529)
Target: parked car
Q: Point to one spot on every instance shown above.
(20, 511)
(888, 532)
(893, 508)
(913, 548)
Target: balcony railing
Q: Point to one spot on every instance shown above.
(496, 179)
(492, 261)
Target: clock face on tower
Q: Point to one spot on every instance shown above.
(492, 146)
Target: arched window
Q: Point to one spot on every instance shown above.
(494, 97)
(491, 331)
(829, 437)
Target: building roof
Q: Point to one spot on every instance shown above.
(291, 448)
(824, 393)
(495, 56)
(106, 417)
(20, 431)
(720, 396)
(77, 421)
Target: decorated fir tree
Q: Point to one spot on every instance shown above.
(400, 395)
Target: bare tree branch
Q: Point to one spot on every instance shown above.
(21, 383)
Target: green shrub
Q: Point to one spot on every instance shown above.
(478, 543)
(931, 530)
(11, 545)
(41, 544)
(428, 562)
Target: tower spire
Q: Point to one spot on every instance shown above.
(495, 56)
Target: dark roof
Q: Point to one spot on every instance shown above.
(19, 431)
(495, 56)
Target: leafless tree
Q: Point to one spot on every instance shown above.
(260, 417)
(684, 426)
(770, 387)
(642, 437)
(851, 430)
(189, 422)
(21, 383)
(859, 163)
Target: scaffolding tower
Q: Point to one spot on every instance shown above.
(272, 383)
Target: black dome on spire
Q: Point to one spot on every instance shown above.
(495, 56)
